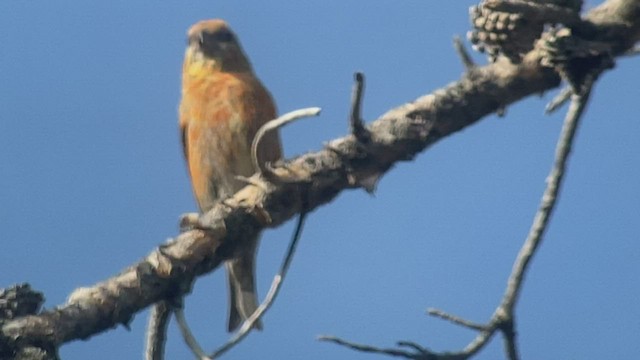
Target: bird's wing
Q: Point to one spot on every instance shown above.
(262, 108)
(183, 137)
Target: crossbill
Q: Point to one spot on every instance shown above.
(222, 107)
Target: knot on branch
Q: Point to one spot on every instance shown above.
(575, 58)
(511, 27)
(19, 300)
(15, 302)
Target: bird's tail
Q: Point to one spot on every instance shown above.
(243, 298)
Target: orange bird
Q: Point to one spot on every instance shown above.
(223, 105)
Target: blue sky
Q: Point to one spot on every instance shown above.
(92, 178)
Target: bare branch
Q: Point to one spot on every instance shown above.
(563, 96)
(367, 348)
(357, 126)
(549, 199)
(463, 54)
(509, 338)
(157, 331)
(503, 317)
(456, 320)
(274, 125)
(188, 337)
(247, 326)
(418, 348)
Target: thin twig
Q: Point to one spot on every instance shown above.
(563, 96)
(478, 342)
(456, 320)
(417, 347)
(365, 348)
(276, 285)
(157, 331)
(503, 317)
(464, 55)
(509, 338)
(276, 124)
(549, 198)
(504, 314)
(355, 119)
(187, 335)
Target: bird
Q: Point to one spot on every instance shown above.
(222, 106)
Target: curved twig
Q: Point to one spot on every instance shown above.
(276, 285)
(248, 324)
(276, 124)
(157, 331)
(188, 337)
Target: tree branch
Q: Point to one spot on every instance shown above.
(157, 330)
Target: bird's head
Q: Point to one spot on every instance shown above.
(213, 45)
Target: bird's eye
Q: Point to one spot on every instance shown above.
(223, 36)
(207, 39)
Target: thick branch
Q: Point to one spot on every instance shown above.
(398, 135)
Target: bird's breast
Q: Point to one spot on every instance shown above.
(217, 133)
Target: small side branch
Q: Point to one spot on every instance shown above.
(276, 285)
(509, 338)
(456, 320)
(357, 125)
(157, 331)
(274, 125)
(372, 349)
(563, 96)
(248, 324)
(188, 337)
(464, 55)
(549, 198)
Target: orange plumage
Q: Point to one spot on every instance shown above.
(223, 105)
